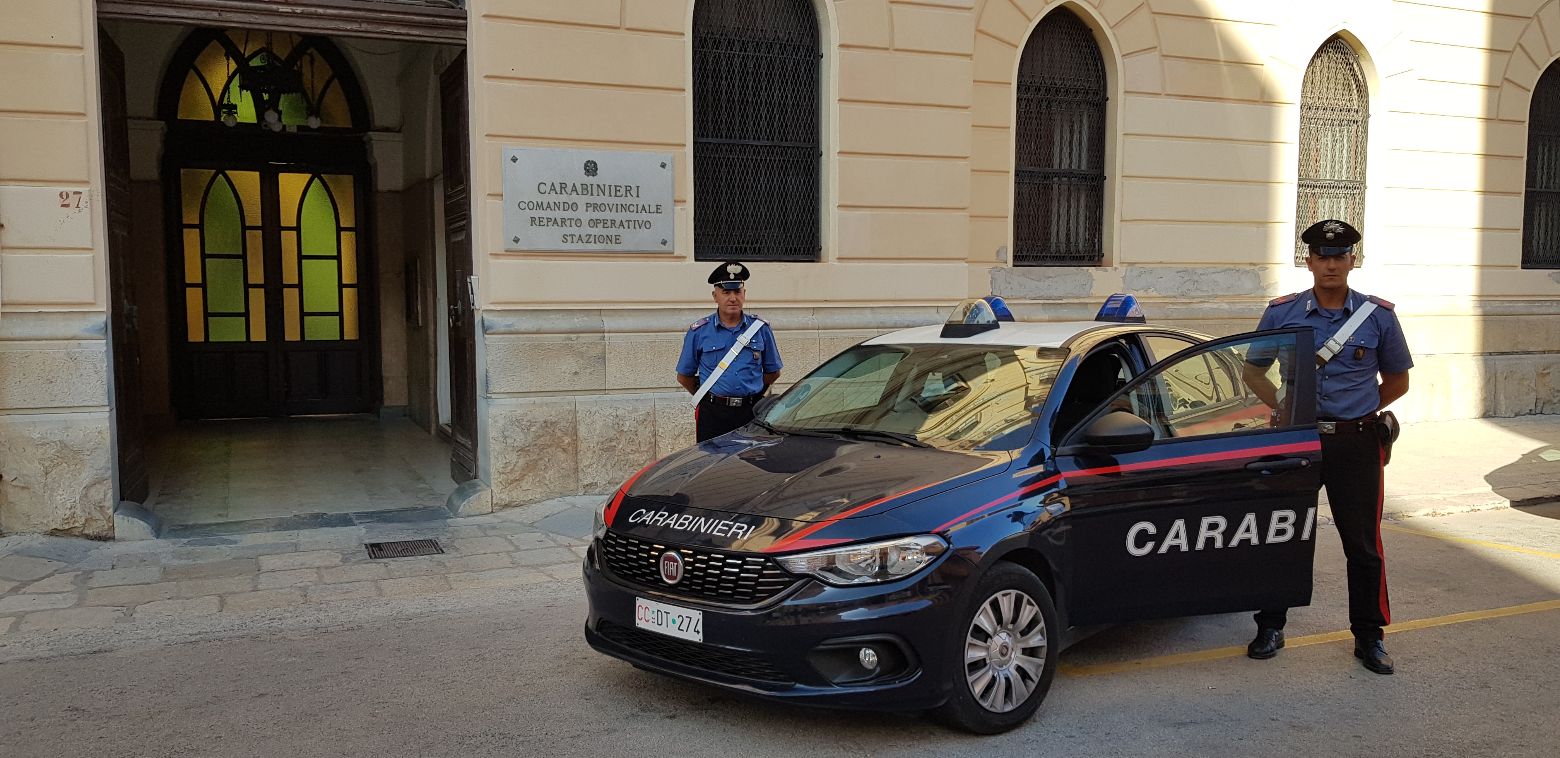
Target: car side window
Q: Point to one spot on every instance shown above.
(1097, 377)
(1231, 388)
(1162, 346)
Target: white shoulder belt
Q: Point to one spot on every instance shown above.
(725, 362)
(1335, 343)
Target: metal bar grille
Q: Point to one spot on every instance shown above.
(1541, 214)
(694, 655)
(1334, 111)
(756, 158)
(1059, 176)
(707, 575)
(403, 548)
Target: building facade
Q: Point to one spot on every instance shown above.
(873, 161)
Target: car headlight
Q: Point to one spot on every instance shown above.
(598, 520)
(867, 563)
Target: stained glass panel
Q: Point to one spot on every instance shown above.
(194, 314)
(225, 285)
(224, 230)
(349, 258)
(320, 285)
(228, 329)
(292, 318)
(317, 227)
(192, 256)
(349, 313)
(321, 328)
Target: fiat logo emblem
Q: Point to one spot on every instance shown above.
(671, 567)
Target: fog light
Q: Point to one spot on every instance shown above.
(868, 657)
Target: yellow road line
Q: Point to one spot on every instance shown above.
(1314, 639)
(1470, 541)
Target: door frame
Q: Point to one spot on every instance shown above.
(426, 21)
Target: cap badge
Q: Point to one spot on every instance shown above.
(733, 269)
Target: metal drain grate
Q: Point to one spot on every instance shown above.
(403, 548)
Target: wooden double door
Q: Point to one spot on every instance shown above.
(271, 283)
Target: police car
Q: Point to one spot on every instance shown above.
(927, 519)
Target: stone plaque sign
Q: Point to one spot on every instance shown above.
(588, 200)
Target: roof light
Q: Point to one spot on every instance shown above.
(1121, 308)
(970, 317)
(999, 307)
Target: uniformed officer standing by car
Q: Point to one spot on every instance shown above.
(729, 358)
(1359, 337)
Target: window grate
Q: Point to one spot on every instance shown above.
(1541, 211)
(1334, 111)
(756, 157)
(403, 548)
(1059, 166)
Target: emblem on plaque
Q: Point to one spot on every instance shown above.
(590, 168)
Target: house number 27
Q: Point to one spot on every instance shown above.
(70, 198)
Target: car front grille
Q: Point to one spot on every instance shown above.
(707, 575)
(692, 654)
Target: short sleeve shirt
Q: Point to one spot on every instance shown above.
(707, 341)
(1346, 388)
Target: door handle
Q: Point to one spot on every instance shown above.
(1280, 464)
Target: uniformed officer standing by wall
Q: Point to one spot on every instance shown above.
(1348, 406)
(724, 395)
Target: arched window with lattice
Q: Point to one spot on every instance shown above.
(1334, 116)
(1541, 209)
(756, 145)
(276, 80)
(1059, 151)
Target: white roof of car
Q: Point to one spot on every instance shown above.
(1016, 333)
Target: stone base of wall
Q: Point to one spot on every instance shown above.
(579, 401)
(56, 475)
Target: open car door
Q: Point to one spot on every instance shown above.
(1189, 493)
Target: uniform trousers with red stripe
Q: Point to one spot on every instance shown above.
(1351, 471)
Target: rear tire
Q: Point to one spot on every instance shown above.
(1002, 661)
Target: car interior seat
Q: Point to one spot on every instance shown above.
(1097, 378)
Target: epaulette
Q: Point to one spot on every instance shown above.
(699, 323)
(1381, 302)
(1284, 299)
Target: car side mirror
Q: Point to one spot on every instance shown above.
(1118, 432)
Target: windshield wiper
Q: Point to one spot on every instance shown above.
(900, 437)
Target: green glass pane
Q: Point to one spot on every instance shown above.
(227, 329)
(225, 285)
(320, 286)
(322, 327)
(317, 222)
(223, 225)
(241, 98)
(295, 109)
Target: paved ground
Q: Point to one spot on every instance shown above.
(505, 672)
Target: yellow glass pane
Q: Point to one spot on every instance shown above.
(349, 313)
(292, 321)
(192, 266)
(346, 201)
(213, 64)
(254, 253)
(283, 44)
(349, 258)
(195, 100)
(333, 109)
(289, 257)
(192, 185)
(247, 184)
(290, 190)
(256, 314)
(194, 314)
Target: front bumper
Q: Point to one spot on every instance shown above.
(800, 645)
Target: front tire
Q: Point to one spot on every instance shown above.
(1002, 665)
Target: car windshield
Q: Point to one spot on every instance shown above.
(956, 397)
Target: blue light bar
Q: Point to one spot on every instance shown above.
(1121, 308)
(999, 307)
(969, 318)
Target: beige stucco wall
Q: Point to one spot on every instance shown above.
(576, 350)
(1201, 163)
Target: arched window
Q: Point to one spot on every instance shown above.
(755, 130)
(1541, 213)
(273, 79)
(1334, 109)
(1059, 162)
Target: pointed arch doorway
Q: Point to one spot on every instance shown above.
(270, 256)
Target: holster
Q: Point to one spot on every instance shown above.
(1387, 429)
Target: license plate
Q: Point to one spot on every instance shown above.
(669, 619)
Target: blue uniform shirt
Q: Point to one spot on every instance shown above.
(1346, 388)
(707, 342)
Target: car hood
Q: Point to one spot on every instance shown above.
(807, 479)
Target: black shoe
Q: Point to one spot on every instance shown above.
(1266, 644)
(1374, 655)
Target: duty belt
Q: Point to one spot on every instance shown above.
(1356, 426)
(735, 402)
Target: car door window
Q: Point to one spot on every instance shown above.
(1162, 346)
(1233, 387)
(1097, 377)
